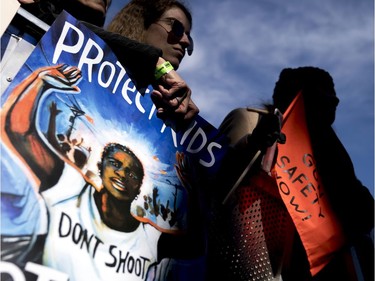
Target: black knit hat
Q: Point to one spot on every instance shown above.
(307, 79)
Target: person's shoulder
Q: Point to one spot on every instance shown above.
(239, 122)
(246, 113)
(256, 110)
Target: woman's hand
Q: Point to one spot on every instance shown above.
(172, 98)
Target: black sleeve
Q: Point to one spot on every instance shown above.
(139, 59)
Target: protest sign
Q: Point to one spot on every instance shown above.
(71, 113)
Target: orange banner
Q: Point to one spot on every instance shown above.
(302, 192)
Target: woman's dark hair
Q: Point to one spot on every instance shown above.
(136, 17)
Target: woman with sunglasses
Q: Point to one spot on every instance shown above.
(164, 24)
(164, 27)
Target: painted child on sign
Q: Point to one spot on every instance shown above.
(108, 181)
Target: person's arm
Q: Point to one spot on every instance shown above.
(93, 11)
(19, 112)
(251, 133)
(51, 131)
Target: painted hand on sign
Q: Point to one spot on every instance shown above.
(21, 112)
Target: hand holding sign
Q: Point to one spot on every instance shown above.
(172, 97)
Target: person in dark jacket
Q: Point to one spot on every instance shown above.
(351, 201)
(232, 225)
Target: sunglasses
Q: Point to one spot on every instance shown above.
(178, 31)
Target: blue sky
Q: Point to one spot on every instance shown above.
(242, 45)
